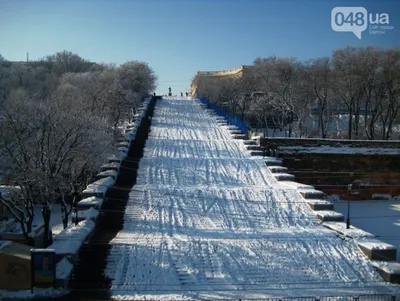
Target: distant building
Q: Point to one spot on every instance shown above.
(202, 78)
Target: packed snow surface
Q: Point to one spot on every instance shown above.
(379, 217)
(206, 220)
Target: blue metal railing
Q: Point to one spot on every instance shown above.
(223, 113)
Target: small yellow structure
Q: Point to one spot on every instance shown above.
(15, 266)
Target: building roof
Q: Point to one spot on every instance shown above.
(15, 249)
(223, 72)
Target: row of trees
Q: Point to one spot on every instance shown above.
(359, 85)
(59, 118)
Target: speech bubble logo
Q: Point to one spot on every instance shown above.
(349, 19)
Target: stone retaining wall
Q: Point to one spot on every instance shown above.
(279, 142)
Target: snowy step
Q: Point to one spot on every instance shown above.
(113, 158)
(235, 131)
(277, 169)
(298, 186)
(89, 202)
(375, 249)
(319, 204)
(222, 123)
(123, 144)
(123, 152)
(241, 136)
(232, 127)
(110, 166)
(328, 216)
(107, 173)
(253, 147)
(273, 162)
(284, 176)
(352, 232)
(256, 153)
(311, 194)
(249, 142)
(390, 271)
(98, 188)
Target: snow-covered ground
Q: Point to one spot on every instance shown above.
(55, 219)
(206, 220)
(381, 218)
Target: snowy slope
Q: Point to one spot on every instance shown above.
(206, 220)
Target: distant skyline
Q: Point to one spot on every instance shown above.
(177, 38)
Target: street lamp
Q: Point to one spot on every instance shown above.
(349, 187)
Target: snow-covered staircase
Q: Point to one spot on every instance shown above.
(88, 279)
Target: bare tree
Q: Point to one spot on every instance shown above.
(67, 61)
(20, 203)
(391, 105)
(319, 76)
(263, 108)
(280, 76)
(56, 125)
(358, 83)
(94, 90)
(243, 98)
(47, 143)
(374, 87)
(347, 84)
(304, 100)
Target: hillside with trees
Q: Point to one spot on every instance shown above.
(59, 119)
(353, 94)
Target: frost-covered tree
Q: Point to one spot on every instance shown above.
(67, 61)
(347, 84)
(56, 125)
(360, 84)
(111, 92)
(48, 144)
(318, 79)
(280, 78)
(137, 77)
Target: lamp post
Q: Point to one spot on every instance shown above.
(349, 187)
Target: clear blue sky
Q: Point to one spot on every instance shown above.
(179, 37)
